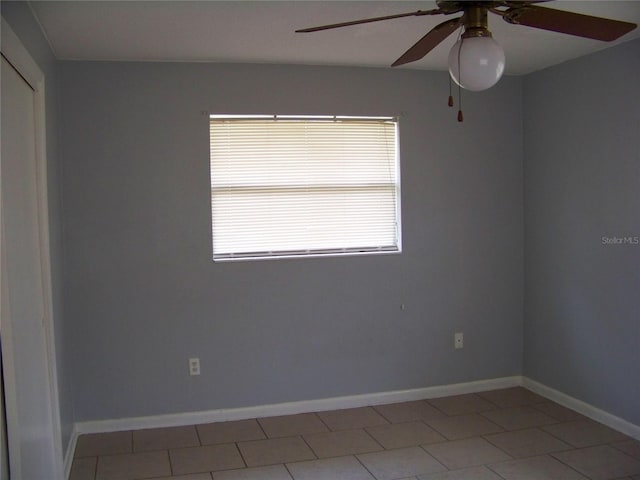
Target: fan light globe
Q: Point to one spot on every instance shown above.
(481, 61)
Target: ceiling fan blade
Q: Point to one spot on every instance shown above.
(430, 41)
(577, 24)
(419, 13)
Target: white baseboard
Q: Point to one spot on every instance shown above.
(290, 408)
(585, 409)
(71, 448)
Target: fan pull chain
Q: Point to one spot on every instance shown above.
(460, 116)
(450, 102)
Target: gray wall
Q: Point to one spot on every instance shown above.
(144, 295)
(582, 183)
(19, 16)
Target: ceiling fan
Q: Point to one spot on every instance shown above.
(476, 61)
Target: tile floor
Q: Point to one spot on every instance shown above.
(510, 434)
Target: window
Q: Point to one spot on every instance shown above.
(285, 186)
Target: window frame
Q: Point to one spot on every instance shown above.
(311, 252)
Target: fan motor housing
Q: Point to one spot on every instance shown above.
(454, 6)
(474, 18)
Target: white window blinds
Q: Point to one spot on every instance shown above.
(285, 186)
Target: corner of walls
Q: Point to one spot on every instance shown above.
(70, 451)
(523, 151)
(65, 327)
(525, 242)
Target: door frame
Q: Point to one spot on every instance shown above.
(15, 52)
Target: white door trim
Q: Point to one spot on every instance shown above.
(20, 58)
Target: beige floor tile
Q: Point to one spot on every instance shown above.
(229, 432)
(536, 468)
(528, 443)
(205, 459)
(344, 442)
(164, 438)
(83, 468)
(469, 452)
(512, 397)
(463, 426)
(630, 447)
(292, 425)
(110, 443)
(399, 435)
(393, 464)
(560, 413)
(423, 439)
(585, 433)
(275, 450)
(132, 466)
(352, 418)
(342, 468)
(462, 404)
(474, 473)
(273, 472)
(193, 476)
(517, 418)
(600, 463)
(408, 411)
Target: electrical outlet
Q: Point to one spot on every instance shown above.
(458, 340)
(194, 366)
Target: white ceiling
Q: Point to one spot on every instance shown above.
(263, 32)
